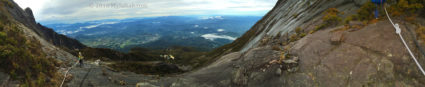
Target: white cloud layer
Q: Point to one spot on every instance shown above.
(214, 36)
(86, 10)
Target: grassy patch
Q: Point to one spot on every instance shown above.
(406, 7)
(365, 13)
(332, 17)
(8, 3)
(293, 37)
(420, 32)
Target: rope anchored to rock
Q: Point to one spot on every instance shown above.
(398, 31)
(66, 73)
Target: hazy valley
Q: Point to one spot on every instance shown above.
(201, 32)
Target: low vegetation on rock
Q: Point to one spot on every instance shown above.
(332, 17)
(420, 32)
(22, 58)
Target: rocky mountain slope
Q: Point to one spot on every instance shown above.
(286, 16)
(26, 59)
(372, 55)
(51, 42)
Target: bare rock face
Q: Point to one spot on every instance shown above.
(28, 11)
(288, 15)
(7, 81)
(4, 78)
(359, 2)
(51, 50)
(371, 56)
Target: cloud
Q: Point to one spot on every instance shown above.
(87, 10)
(211, 17)
(85, 27)
(214, 36)
(220, 30)
(96, 25)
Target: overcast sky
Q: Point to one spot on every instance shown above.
(69, 11)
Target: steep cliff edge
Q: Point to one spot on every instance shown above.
(285, 17)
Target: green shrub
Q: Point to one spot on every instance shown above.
(299, 33)
(3, 35)
(276, 47)
(420, 32)
(8, 3)
(298, 30)
(365, 13)
(406, 7)
(348, 19)
(332, 17)
(295, 15)
(322, 26)
(311, 31)
(293, 38)
(1, 26)
(302, 35)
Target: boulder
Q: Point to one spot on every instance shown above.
(337, 37)
(4, 78)
(278, 72)
(359, 2)
(145, 84)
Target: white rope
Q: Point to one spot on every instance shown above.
(398, 31)
(66, 73)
